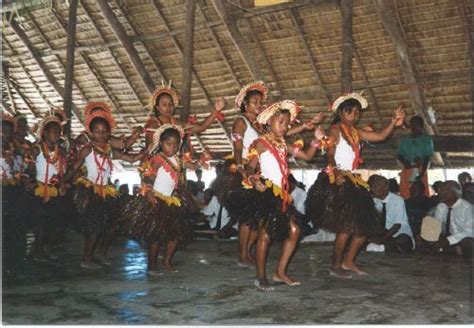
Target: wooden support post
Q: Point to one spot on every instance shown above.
(132, 53)
(188, 60)
(347, 46)
(71, 43)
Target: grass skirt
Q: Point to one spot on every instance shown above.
(344, 208)
(226, 182)
(94, 212)
(160, 222)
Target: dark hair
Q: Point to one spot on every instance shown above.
(168, 133)
(50, 125)
(417, 120)
(98, 120)
(244, 104)
(436, 186)
(346, 106)
(376, 180)
(419, 185)
(393, 186)
(157, 101)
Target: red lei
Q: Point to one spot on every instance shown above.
(173, 170)
(280, 152)
(101, 165)
(58, 162)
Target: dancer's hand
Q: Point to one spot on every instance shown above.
(219, 104)
(260, 186)
(318, 118)
(399, 116)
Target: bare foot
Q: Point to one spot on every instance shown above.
(245, 265)
(354, 268)
(262, 284)
(285, 279)
(340, 273)
(169, 267)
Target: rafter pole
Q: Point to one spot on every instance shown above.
(188, 59)
(237, 39)
(317, 75)
(9, 91)
(196, 77)
(16, 88)
(41, 64)
(71, 43)
(132, 53)
(386, 11)
(250, 27)
(96, 75)
(347, 46)
(112, 54)
(219, 47)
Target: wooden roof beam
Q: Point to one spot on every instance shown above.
(132, 53)
(188, 60)
(94, 73)
(196, 77)
(347, 46)
(111, 52)
(6, 80)
(387, 12)
(317, 75)
(41, 64)
(27, 102)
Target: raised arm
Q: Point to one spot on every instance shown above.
(131, 158)
(78, 163)
(126, 142)
(308, 125)
(200, 127)
(238, 131)
(396, 121)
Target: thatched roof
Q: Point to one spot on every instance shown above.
(292, 46)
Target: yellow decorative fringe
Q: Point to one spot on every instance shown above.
(9, 182)
(102, 191)
(277, 191)
(169, 200)
(52, 191)
(356, 179)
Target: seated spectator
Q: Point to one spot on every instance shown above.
(434, 199)
(219, 219)
(464, 178)
(397, 234)
(468, 192)
(393, 186)
(417, 206)
(456, 215)
(199, 185)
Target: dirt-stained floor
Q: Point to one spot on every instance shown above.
(211, 289)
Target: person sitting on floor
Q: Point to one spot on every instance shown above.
(219, 219)
(397, 235)
(456, 215)
(393, 186)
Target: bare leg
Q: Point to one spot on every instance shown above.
(244, 232)
(170, 250)
(90, 241)
(349, 260)
(38, 245)
(262, 248)
(153, 249)
(251, 242)
(104, 245)
(289, 246)
(339, 246)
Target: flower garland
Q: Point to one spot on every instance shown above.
(352, 136)
(173, 170)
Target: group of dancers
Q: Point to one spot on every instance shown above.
(64, 178)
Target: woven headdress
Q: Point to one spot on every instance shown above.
(160, 130)
(49, 118)
(353, 95)
(288, 105)
(257, 85)
(98, 109)
(164, 90)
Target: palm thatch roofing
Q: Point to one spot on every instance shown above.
(296, 48)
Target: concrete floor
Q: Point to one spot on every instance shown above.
(211, 289)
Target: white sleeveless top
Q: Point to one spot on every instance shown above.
(41, 165)
(6, 171)
(344, 155)
(164, 183)
(93, 174)
(270, 168)
(250, 136)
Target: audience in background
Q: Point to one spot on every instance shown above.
(417, 206)
(464, 178)
(468, 192)
(393, 186)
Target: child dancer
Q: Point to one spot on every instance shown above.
(94, 193)
(272, 200)
(159, 214)
(339, 200)
(50, 167)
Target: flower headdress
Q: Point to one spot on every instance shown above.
(49, 118)
(288, 105)
(353, 95)
(98, 109)
(257, 85)
(160, 130)
(164, 89)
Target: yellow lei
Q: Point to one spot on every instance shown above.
(102, 191)
(169, 200)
